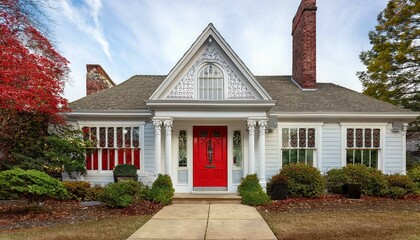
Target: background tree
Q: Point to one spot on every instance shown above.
(32, 77)
(393, 63)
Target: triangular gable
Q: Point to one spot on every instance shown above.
(210, 47)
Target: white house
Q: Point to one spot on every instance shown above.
(210, 121)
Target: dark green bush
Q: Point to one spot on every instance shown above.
(372, 181)
(77, 190)
(401, 181)
(122, 194)
(125, 170)
(249, 184)
(33, 185)
(277, 187)
(162, 190)
(336, 181)
(255, 198)
(93, 193)
(397, 192)
(414, 174)
(303, 180)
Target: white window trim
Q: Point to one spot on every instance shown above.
(381, 126)
(318, 143)
(197, 87)
(139, 124)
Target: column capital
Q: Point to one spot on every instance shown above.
(251, 123)
(168, 123)
(262, 124)
(157, 123)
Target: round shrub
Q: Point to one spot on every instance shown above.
(402, 181)
(336, 181)
(255, 198)
(122, 194)
(162, 190)
(372, 181)
(33, 185)
(125, 170)
(77, 190)
(397, 192)
(93, 193)
(414, 174)
(277, 187)
(303, 180)
(250, 184)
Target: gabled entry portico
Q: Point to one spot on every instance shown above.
(218, 151)
(213, 112)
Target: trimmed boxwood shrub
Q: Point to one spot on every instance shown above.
(397, 192)
(77, 190)
(33, 185)
(249, 184)
(122, 194)
(162, 190)
(277, 187)
(251, 191)
(372, 181)
(255, 198)
(125, 170)
(414, 174)
(401, 181)
(303, 180)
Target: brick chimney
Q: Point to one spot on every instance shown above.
(97, 79)
(304, 45)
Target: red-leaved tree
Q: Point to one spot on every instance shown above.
(32, 76)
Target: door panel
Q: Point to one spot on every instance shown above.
(210, 156)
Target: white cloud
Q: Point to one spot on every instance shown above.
(80, 17)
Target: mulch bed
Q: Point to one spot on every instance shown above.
(340, 203)
(16, 214)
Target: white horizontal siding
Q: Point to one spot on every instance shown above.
(393, 152)
(271, 153)
(331, 147)
(149, 148)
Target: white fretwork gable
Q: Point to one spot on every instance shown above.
(210, 48)
(236, 88)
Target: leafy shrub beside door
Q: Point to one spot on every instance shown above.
(162, 190)
(251, 191)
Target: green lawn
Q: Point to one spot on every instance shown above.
(110, 228)
(329, 225)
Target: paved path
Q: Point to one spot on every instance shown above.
(205, 221)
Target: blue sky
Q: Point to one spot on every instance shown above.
(130, 37)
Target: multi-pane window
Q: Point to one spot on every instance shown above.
(182, 148)
(362, 146)
(237, 148)
(112, 146)
(210, 83)
(298, 145)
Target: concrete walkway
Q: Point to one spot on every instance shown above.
(205, 221)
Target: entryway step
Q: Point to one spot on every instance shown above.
(183, 198)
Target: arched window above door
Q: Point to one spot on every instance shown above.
(210, 83)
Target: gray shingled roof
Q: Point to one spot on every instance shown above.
(328, 97)
(130, 95)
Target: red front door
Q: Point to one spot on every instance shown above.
(210, 157)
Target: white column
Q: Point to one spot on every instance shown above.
(157, 123)
(168, 143)
(251, 146)
(262, 124)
